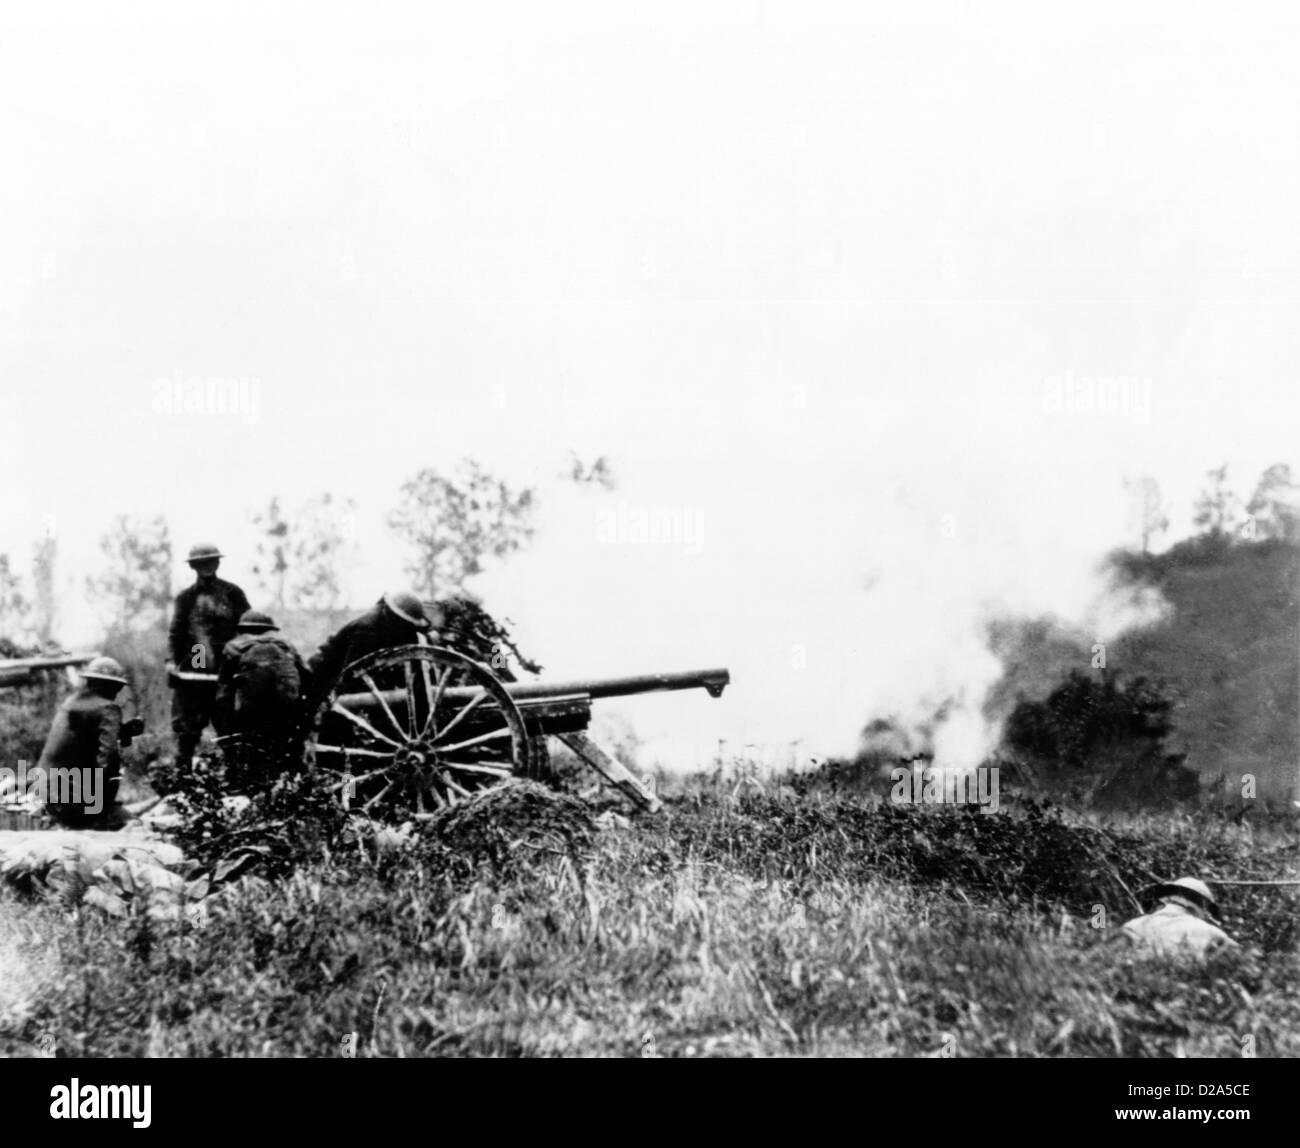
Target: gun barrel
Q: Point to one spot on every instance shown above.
(715, 681)
(20, 671)
(51, 663)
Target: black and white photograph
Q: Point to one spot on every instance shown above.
(717, 530)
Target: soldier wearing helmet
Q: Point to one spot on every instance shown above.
(395, 620)
(261, 692)
(1183, 924)
(205, 618)
(80, 768)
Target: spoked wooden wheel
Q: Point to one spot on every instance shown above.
(415, 729)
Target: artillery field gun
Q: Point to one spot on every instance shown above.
(414, 729)
(422, 727)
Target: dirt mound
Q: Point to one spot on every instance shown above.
(516, 823)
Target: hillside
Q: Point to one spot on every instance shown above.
(1227, 655)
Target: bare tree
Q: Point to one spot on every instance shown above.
(453, 524)
(323, 544)
(1217, 508)
(13, 606)
(271, 558)
(135, 584)
(1149, 509)
(596, 473)
(300, 558)
(44, 554)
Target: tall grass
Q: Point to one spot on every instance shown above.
(758, 925)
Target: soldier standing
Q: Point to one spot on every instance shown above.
(261, 696)
(205, 618)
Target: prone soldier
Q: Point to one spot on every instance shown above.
(1185, 923)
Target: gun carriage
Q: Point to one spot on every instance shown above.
(422, 727)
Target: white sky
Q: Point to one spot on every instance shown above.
(808, 283)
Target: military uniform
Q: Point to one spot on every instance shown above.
(1174, 930)
(84, 735)
(379, 628)
(205, 619)
(261, 701)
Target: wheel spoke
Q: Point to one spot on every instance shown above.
(494, 735)
(374, 689)
(348, 750)
(477, 767)
(410, 698)
(470, 706)
(435, 698)
(428, 695)
(378, 796)
(356, 719)
(352, 779)
(453, 785)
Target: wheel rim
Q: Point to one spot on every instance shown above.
(418, 729)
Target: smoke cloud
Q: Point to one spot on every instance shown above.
(832, 603)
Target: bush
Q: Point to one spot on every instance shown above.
(1101, 743)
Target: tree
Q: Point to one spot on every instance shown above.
(323, 544)
(1149, 510)
(1217, 508)
(44, 554)
(1097, 739)
(299, 559)
(271, 560)
(597, 473)
(136, 583)
(13, 606)
(454, 524)
(1275, 506)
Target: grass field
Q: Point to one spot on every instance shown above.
(758, 925)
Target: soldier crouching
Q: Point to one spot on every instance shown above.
(80, 765)
(260, 703)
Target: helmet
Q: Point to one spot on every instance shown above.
(1199, 891)
(202, 551)
(407, 607)
(253, 620)
(105, 670)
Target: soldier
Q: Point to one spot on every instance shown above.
(80, 764)
(395, 620)
(261, 696)
(204, 620)
(1182, 924)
